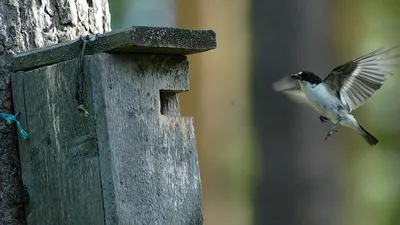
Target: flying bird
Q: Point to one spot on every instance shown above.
(346, 88)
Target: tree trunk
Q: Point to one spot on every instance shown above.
(24, 25)
(297, 183)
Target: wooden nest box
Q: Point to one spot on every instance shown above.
(107, 142)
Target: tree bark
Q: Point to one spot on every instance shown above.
(25, 25)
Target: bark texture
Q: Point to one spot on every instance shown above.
(27, 24)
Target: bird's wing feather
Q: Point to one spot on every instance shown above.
(291, 88)
(357, 80)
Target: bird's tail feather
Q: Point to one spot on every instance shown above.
(367, 136)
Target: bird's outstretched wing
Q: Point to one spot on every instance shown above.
(291, 88)
(358, 79)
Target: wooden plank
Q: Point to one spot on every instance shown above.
(148, 161)
(140, 39)
(60, 162)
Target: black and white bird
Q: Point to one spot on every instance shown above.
(346, 88)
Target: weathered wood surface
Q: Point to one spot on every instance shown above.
(60, 165)
(132, 161)
(159, 40)
(27, 24)
(148, 161)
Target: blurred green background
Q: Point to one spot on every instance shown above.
(263, 159)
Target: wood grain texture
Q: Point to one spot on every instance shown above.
(140, 39)
(148, 161)
(132, 161)
(27, 24)
(60, 166)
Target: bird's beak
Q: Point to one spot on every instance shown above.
(295, 76)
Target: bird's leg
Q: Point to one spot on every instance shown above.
(333, 129)
(323, 119)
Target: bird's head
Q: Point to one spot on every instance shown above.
(307, 77)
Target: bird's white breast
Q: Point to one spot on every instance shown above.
(323, 100)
